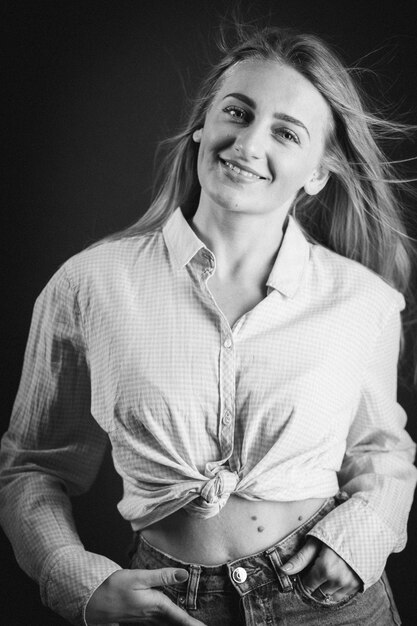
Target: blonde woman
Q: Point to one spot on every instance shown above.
(239, 346)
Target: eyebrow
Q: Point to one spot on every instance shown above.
(279, 116)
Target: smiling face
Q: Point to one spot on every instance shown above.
(263, 139)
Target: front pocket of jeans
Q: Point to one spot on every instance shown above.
(306, 596)
(172, 593)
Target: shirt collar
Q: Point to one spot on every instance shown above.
(288, 269)
(290, 264)
(183, 244)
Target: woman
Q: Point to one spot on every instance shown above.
(240, 352)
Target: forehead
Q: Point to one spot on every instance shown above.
(276, 87)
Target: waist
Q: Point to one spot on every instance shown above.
(242, 527)
(221, 577)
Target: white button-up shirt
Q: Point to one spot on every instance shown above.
(295, 401)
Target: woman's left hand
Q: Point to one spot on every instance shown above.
(328, 572)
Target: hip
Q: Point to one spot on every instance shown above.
(252, 590)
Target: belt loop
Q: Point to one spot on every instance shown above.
(283, 579)
(192, 587)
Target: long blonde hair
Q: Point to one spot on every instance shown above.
(357, 214)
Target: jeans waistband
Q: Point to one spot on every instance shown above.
(243, 574)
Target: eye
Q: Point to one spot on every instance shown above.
(237, 113)
(287, 135)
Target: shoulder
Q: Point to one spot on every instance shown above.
(110, 259)
(349, 282)
(106, 265)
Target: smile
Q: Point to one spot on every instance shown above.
(249, 174)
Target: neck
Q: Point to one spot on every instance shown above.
(242, 243)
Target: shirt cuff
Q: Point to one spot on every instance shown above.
(358, 535)
(68, 579)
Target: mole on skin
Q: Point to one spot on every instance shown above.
(254, 517)
(260, 529)
(300, 517)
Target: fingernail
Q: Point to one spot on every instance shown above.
(287, 567)
(180, 575)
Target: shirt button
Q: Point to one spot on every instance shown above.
(239, 575)
(227, 343)
(227, 418)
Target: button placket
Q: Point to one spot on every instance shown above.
(227, 391)
(226, 368)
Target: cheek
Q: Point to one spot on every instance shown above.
(216, 138)
(202, 154)
(205, 164)
(298, 167)
(292, 175)
(205, 153)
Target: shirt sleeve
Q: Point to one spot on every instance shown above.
(377, 472)
(52, 450)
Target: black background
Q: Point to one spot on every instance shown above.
(90, 87)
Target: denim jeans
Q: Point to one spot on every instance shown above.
(252, 591)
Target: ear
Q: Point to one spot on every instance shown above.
(317, 181)
(197, 135)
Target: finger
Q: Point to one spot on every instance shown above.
(330, 588)
(330, 572)
(318, 575)
(145, 579)
(344, 593)
(314, 580)
(332, 582)
(175, 615)
(302, 558)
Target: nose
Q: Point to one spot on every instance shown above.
(250, 142)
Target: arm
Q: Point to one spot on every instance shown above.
(53, 449)
(377, 473)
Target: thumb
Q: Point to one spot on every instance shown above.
(302, 558)
(160, 577)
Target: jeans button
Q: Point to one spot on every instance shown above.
(239, 575)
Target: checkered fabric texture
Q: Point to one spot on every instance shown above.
(297, 400)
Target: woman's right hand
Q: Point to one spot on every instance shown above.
(127, 596)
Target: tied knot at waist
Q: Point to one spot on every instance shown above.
(214, 494)
(216, 488)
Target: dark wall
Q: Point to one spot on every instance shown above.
(91, 87)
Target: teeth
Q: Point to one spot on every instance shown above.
(237, 169)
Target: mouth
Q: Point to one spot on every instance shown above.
(241, 170)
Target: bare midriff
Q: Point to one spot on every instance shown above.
(242, 527)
